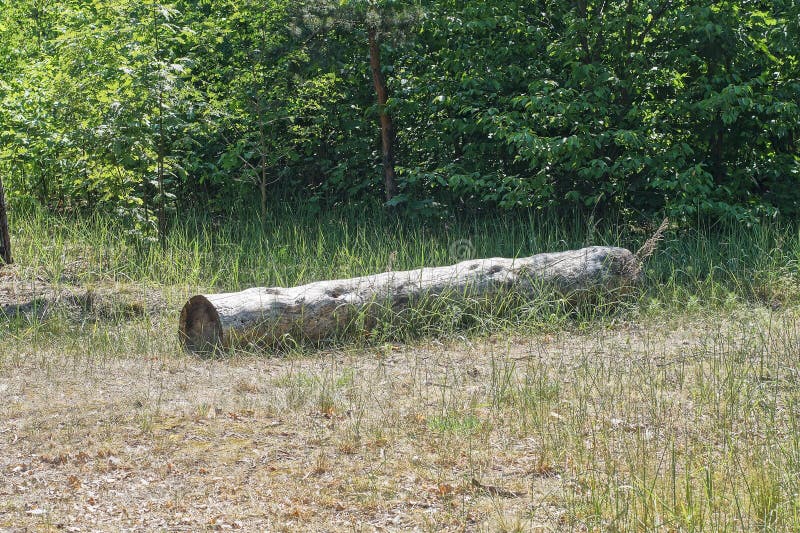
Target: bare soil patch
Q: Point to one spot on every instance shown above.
(39, 298)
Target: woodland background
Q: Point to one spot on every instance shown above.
(149, 109)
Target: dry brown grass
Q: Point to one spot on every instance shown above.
(615, 429)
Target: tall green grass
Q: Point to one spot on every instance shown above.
(295, 245)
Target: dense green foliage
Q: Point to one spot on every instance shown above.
(637, 106)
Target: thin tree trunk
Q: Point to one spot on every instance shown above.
(583, 13)
(262, 185)
(262, 125)
(262, 171)
(387, 129)
(5, 237)
(718, 169)
(162, 203)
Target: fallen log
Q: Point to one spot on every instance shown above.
(322, 309)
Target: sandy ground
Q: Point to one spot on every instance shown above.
(114, 428)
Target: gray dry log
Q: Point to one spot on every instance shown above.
(320, 310)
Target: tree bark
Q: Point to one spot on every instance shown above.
(387, 129)
(5, 236)
(321, 310)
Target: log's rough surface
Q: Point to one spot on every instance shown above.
(319, 310)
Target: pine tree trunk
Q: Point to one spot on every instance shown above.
(387, 129)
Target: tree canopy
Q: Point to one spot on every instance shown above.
(640, 106)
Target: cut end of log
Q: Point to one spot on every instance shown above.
(200, 327)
